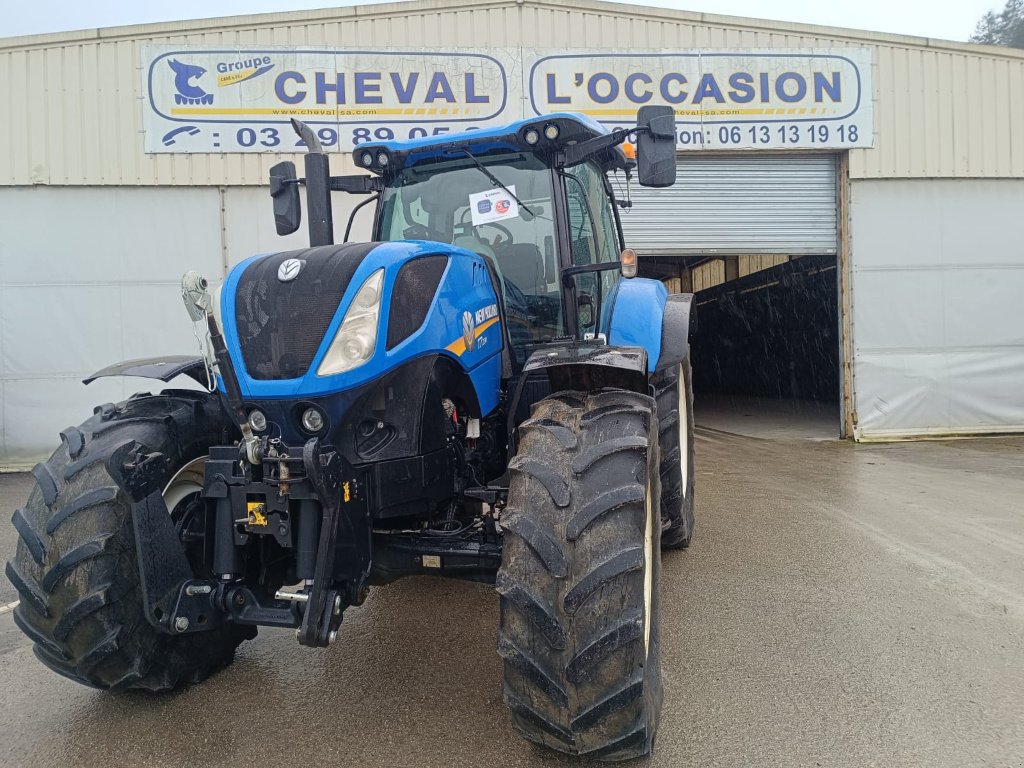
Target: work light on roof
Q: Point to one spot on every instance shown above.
(531, 136)
(551, 131)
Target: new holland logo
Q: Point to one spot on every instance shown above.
(469, 331)
(289, 270)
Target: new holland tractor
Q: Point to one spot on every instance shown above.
(486, 391)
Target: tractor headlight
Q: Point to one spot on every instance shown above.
(357, 336)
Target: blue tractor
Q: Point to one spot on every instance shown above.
(486, 391)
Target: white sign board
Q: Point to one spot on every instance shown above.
(210, 100)
(493, 205)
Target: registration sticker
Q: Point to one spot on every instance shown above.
(493, 205)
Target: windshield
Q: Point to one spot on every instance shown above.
(510, 223)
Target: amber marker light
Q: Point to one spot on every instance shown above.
(627, 259)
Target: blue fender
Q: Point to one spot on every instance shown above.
(644, 314)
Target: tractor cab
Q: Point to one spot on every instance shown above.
(533, 198)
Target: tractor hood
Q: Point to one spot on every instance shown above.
(285, 302)
(282, 312)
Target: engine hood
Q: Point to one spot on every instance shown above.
(284, 303)
(281, 312)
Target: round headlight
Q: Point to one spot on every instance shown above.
(531, 136)
(367, 298)
(551, 131)
(382, 159)
(257, 420)
(366, 159)
(355, 348)
(312, 420)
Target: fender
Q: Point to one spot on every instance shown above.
(643, 314)
(163, 368)
(675, 330)
(589, 366)
(585, 366)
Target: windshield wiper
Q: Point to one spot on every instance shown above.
(494, 179)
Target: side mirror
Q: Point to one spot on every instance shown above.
(656, 146)
(284, 189)
(585, 307)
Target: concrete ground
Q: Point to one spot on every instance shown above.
(842, 605)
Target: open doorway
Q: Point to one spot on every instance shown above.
(755, 238)
(765, 345)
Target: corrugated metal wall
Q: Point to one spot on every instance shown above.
(942, 109)
(741, 203)
(91, 275)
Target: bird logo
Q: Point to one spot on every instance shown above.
(188, 92)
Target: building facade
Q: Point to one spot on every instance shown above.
(910, 201)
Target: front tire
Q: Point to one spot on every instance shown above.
(76, 567)
(579, 576)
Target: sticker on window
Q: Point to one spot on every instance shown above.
(493, 205)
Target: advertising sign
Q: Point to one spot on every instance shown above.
(205, 100)
(211, 100)
(723, 99)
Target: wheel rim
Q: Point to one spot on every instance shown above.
(648, 568)
(186, 481)
(684, 431)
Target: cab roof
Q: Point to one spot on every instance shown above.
(573, 128)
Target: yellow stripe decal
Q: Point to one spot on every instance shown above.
(458, 347)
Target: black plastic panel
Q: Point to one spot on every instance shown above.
(415, 287)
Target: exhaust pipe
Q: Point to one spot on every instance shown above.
(318, 187)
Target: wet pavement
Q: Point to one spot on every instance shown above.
(841, 605)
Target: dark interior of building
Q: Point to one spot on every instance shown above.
(765, 347)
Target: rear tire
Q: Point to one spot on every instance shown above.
(76, 567)
(674, 392)
(579, 577)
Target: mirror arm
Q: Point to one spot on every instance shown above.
(575, 154)
(357, 185)
(277, 186)
(352, 216)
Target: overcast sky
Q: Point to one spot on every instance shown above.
(947, 20)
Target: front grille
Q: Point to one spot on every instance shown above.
(281, 324)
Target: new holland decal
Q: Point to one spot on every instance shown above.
(474, 324)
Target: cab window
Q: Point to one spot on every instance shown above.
(592, 240)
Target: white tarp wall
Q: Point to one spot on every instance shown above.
(938, 306)
(90, 276)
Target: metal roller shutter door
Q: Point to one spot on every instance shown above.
(738, 204)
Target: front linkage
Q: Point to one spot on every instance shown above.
(306, 506)
(302, 500)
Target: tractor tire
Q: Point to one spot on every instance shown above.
(674, 392)
(76, 567)
(579, 576)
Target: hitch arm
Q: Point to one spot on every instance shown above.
(323, 609)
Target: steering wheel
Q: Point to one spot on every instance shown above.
(496, 225)
(501, 228)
